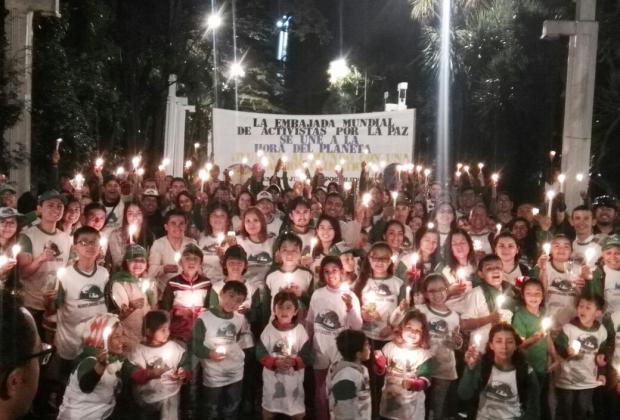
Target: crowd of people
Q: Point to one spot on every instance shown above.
(195, 297)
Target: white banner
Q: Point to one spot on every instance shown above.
(344, 139)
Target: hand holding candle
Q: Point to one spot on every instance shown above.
(106, 335)
(547, 248)
(550, 197)
(545, 324)
(132, 230)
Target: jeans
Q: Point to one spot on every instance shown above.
(437, 397)
(222, 403)
(574, 404)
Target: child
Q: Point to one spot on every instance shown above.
(483, 305)
(580, 343)
(348, 384)
(234, 265)
(332, 309)
(80, 296)
(443, 326)
(606, 278)
(284, 351)
(215, 341)
(185, 295)
(406, 364)
(169, 364)
(289, 276)
(561, 280)
(130, 295)
(507, 386)
(537, 344)
(582, 221)
(507, 249)
(92, 387)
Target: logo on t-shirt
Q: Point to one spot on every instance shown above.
(501, 391)
(55, 249)
(328, 320)
(588, 343)
(260, 258)
(382, 290)
(210, 249)
(91, 292)
(439, 327)
(563, 285)
(228, 331)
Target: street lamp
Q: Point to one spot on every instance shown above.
(338, 70)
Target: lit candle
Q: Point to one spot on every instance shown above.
(499, 301)
(546, 248)
(480, 166)
(135, 162)
(284, 158)
(408, 295)
(140, 172)
(550, 196)
(590, 253)
(347, 186)
(318, 163)
(264, 162)
(204, 177)
(15, 250)
(3, 260)
(165, 162)
(394, 197)
(220, 238)
(345, 287)
(244, 160)
(579, 177)
(313, 243)
(58, 141)
(103, 242)
(459, 166)
(498, 228)
(208, 166)
(495, 179)
(120, 171)
(427, 172)
(342, 162)
(98, 164)
(60, 273)
(366, 199)
(288, 277)
(337, 168)
(290, 341)
(394, 258)
(477, 340)
(132, 230)
(177, 257)
(188, 164)
(231, 234)
(196, 146)
(310, 157)
(145, 285)
(545, 324)
(430, 225)
(551, 154)
(221, 350)
(78, 182)
(415, 257)
(576, 346)
(106, 334)
(461, 274)
(535, 211)
(561, 179)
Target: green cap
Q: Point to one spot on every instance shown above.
(50, 195)
(612, 241)
(7, 187)
(134, 251)
(6, 212)
(194, 250)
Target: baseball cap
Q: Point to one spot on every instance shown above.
(150, 192)
(612, 241)
(7, 187)
(134, 251)
(6, 212)
(50, 195)
(605, 201)
(264, 195)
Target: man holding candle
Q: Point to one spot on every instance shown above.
(606, 216)
(265, 203)
(585, 246)
(112, 200)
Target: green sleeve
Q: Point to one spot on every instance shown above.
(25, 242)
(186, 360)
(29, 218)
(344, 390)
(166, 299)
(402, 293)
(127, 370)
(401, 271)
(596, 286)
(60, 298)
(532, 410)
(86, 366)
(561, 343)
(519, 325)
(306, 353)
(470, 382)
(535, 273)
(214, 300)
(197, 341)
(425, 369)
(261, 350)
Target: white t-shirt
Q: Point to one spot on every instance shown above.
(482, 239)
(441, 326)
(615, 320)
(114, 216)
(161, 254)
(500, 397)
(359, 406)
(34, 241)
(560, 295)
(211, 265)
(581, 372)
(612, 290)
(283, 392)
(83, 299)
(260, 258)
(380, 299)
(327, 317)
(167, 356)
(580, 248)
(273, 227)
(396, 401)
(476, 307)
(279, 280)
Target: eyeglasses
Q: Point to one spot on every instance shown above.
(381, 259)
(436, 291)
(44, 355)
(88, 243)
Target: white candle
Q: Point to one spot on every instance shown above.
(394, 197)
(337, 168)
(188, 164)
(366, 199)
(550, 196)
(430, 225)
(290, 341)
(498, 228)
(15, 250)
(196, 146)
(495, 179)
(576, 346)
(480, 165)
(132, 230)
(220, 238)
(140, 172)
(461, 274)
(545, 324)
(208, 166)
(459, 166)
(551, 154)
(177, 257)
(78, 182)
(288, 278)
(60, 272)
(98, 163)
(165, 162)
(120, 171)
(106, 334)
(204, 177)
(313, 243)
(561, 179)
(590, 254)
(535, 211)
(347, 186)
(103, 242)
(579, 177)
(284, 158)
(135, 162)
(408, 295)
(499, 301)
(58, 141)
(244, 160)
(145, 285)
(546, 248)
(415, 257)
(345, 287)
(466, 169)
(477, 340)
(221, 350)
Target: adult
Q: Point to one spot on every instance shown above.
(8, 196)
(243, 202)
(606, 215)
(119, 240)
(466, 200)
(334, 207)
(502, 208)
(478, 229)
(151, 213)
(258, 246)
(187, 202)
(213, 240)
(585, 247)
(71, 216)
(111, 198)
(444, 218)
(9, 234)
(265, 203)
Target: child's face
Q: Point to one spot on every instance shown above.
(285, 312)
(394, 237)
(290, 253)
(587, 311)
(364, 354)
(137, 266)
(379, 261)
(190, 264)
(428, 243)
(412, 332)
(325, 232)
(333, 275)
(460, 246)
(506, 249)
(87, 246)
(492, 273)
(401, 212)
(533, 295)
(582, 222)
(611, 258)
(300, 216)
(235, 268)
(252, 223)
(160, 336)
(436, 293)
(503, 345)
(115, 340)
(230, 301)
(561, 250)
(348, 262)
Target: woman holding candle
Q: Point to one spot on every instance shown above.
(133, 230)
(533, 328)
(393, 235)
(407, 366)
(284, 350)
(9, 237)
(71, 216)
(213, 240)
(332, 309)
(329, 242)
(131, 295)
(506, 248)
(444, 218)
(243, 202)
(258, 245)
(187, 202)
(459, 267)
(507, 386)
